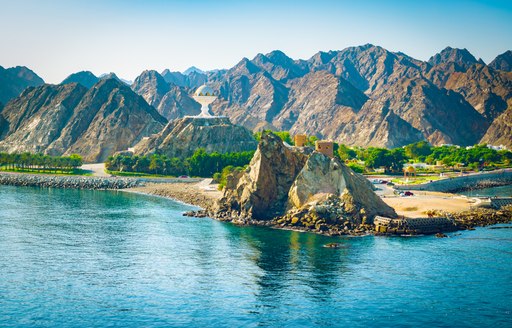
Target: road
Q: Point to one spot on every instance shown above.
(97, 169)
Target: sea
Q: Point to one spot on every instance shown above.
(80, 258)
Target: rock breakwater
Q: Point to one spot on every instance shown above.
(464, 183)
(70, 182)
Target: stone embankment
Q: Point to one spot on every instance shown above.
(463, 183)
(68, 181)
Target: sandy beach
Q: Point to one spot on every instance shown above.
(416, 206)
(201, 194)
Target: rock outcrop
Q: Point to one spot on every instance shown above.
(182, 137)
(261, 192)
(321, 177)
(290, 187)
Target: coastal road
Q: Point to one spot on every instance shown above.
(97, 169)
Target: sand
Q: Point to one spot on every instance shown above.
(416, 206)
(202, 194)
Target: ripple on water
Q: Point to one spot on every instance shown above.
(93, 258)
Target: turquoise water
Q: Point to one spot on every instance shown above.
(503, 191)
(73, 258)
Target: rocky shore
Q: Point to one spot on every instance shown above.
(67, 181)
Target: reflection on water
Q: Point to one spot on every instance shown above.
(93, 258)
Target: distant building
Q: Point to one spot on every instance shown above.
(325, 147)
(421, 166)
(500, 147)
(300, 140)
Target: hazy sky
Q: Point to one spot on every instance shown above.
(59, 37)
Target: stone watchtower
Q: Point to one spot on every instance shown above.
(300, 140)
(325, 147)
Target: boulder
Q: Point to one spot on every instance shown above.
(323, 177)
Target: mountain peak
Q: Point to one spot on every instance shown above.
(503, 62)
(461, 57)
(192, 69)
(85, 78)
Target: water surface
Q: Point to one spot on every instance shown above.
(502, 191)
(71, 258)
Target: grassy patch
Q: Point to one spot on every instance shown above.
(41, 171)
(138, 174)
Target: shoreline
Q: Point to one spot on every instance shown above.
(203, 194)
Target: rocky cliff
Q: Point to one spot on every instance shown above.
(182, 137)
(293, 187)
(66, 119)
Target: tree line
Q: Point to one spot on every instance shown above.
(200, 164)
(39, 162)
(392, 160)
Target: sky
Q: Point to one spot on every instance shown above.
(55, 38)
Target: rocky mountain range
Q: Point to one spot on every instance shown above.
(69, 118)
(364, 95)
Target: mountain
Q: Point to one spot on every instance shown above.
(170, 100)
(192, 79)
(112, 75)
(14, 80)
(461, 57)
(85, 78)
(280, 66)
(193, 69)
(500, 131)
(66, 119)
(182, 137)
(363, 95)
(503, 62)
(35, 119)
(486, 89)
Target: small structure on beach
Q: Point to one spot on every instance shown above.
(325, 147)
(409, 171)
